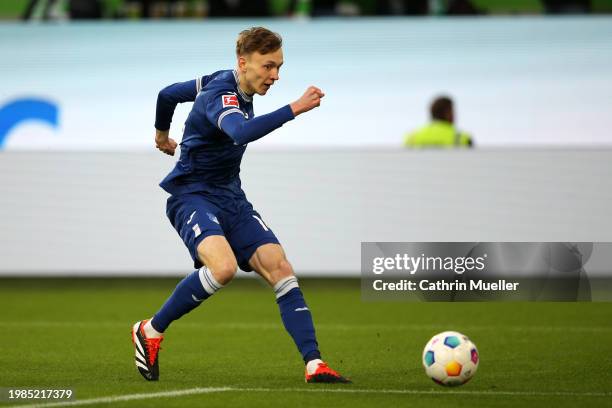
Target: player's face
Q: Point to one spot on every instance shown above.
(261, 70)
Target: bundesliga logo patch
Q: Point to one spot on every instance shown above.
(230, 100)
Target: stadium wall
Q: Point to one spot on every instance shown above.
(101, 213)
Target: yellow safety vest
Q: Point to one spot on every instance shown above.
(437, 134)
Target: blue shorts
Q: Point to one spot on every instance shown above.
(219, 211)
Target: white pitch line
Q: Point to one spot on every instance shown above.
(210, 390)
(329, 326)
(129, 397)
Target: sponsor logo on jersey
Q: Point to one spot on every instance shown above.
(230, 100)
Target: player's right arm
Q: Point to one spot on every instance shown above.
(167, 99)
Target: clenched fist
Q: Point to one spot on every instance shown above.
(310, 100)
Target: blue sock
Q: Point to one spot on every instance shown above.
(297, 318)
(189, 294)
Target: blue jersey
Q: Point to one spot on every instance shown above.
(217, 131)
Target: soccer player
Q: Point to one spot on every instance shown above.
(208, 208)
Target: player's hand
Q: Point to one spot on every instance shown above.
(164, 143)
(310, 100)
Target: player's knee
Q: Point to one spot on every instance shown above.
(283, 270)
(224, 271)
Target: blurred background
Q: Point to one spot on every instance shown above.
(530, 82)
(136, 9)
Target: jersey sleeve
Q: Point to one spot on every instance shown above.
(221, 104)
(223, 109)
(172, 95)
(244, 131)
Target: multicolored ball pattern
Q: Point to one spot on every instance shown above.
(450, 358)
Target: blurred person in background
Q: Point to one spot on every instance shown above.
(441, 132)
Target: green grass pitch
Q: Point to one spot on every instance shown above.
(233, 351)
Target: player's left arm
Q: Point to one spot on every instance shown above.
(244, 131)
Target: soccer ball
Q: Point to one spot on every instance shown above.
(450, 358)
